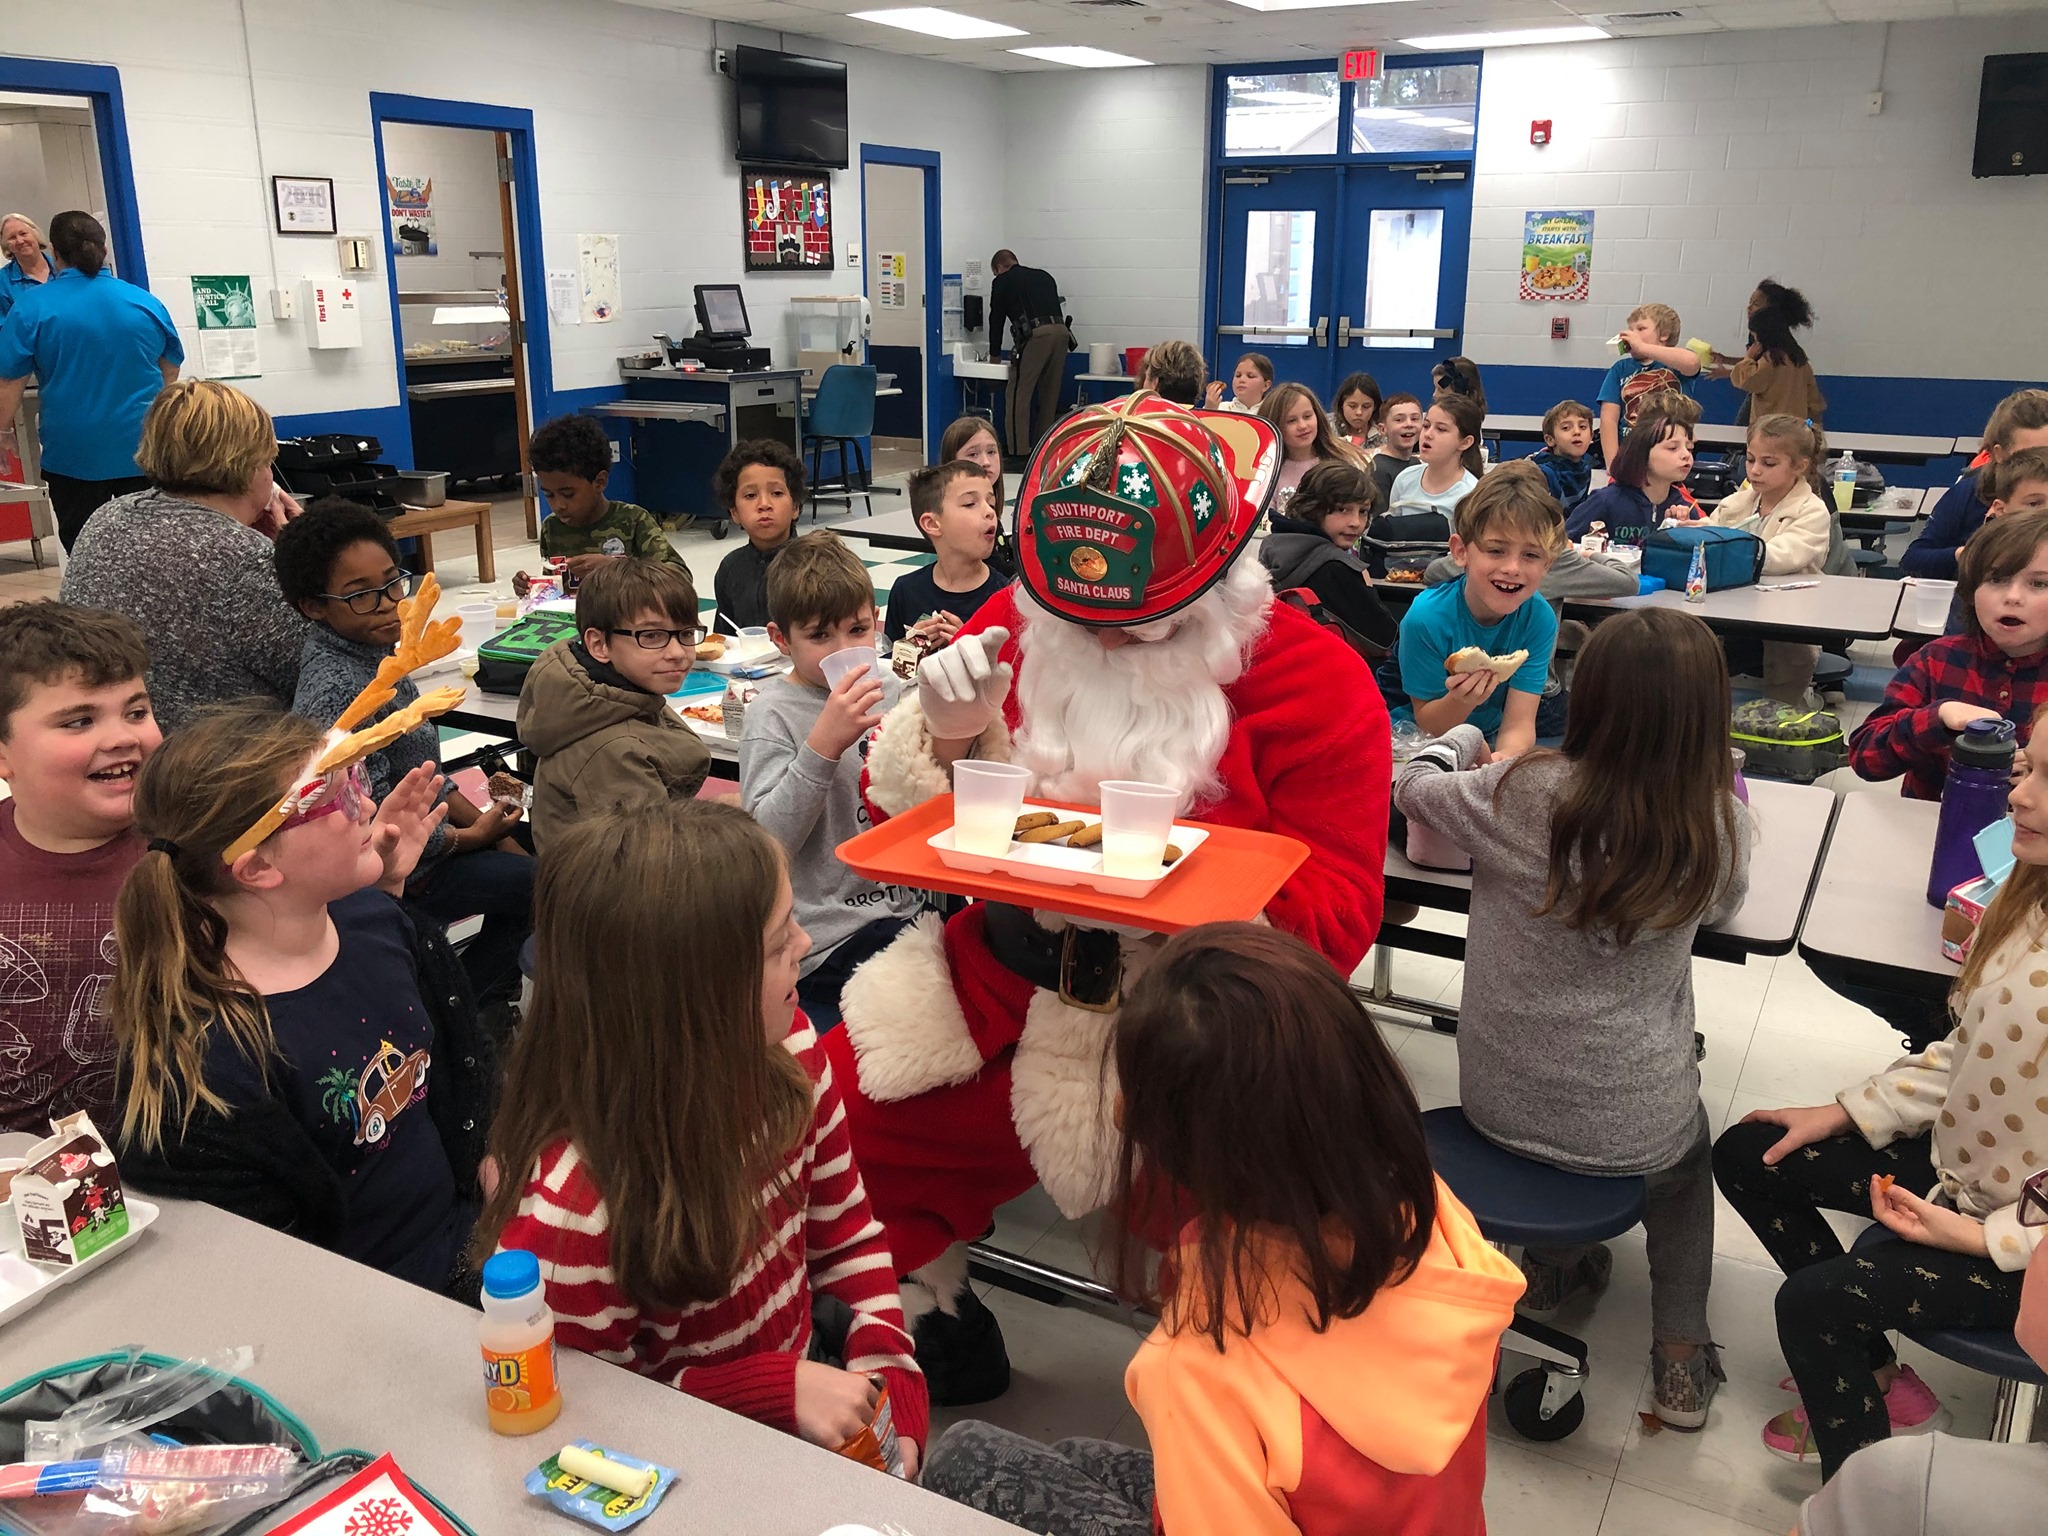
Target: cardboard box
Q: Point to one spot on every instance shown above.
(67, 1195)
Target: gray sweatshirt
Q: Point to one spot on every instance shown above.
(1571, 1049)
(812, 806)
(202, 589)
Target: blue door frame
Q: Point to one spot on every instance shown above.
(935, 380)
(1450, 299)
(101, 83)
(395, 427)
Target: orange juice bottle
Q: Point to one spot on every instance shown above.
(518, 1334)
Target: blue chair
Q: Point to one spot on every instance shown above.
(1521, 1204)
(843, 414)
(1994, 1351)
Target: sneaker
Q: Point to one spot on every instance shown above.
(1683, 1388)
(1550, 1286)
(1909, 1403)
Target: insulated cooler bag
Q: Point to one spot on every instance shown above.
(503, 660)
(1734, 558)
(1787, 741)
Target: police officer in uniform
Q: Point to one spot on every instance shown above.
(1028, 301)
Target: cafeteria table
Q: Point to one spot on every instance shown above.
(1870, 908)
(373, 1363)
(1860, 607)
(496, 715)
(886, 530)
(1909, 625)
(1882, 447)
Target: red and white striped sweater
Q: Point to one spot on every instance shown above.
(740, 1352)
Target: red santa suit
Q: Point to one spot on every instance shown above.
(964, 1083)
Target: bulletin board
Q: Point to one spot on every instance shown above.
(786, 220)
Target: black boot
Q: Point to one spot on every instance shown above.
(962, 1356)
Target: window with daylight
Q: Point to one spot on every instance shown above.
(1288, 114)
(1280, 271)
(1403, 258)
(1418, 109)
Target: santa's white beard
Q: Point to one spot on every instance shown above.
(1153, 709)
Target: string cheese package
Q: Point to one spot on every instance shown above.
(600, 1487)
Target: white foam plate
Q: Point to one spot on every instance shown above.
(1057, 864)
(24, 1285)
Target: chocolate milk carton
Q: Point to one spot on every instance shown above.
(67, 1195)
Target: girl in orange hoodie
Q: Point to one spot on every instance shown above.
(1330, 1316)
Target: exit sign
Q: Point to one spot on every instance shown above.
(1362, 64)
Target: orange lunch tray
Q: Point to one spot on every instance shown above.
(1231, 876)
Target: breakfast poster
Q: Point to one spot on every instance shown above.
(1557, 256)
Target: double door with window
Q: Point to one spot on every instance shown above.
(1330, 270)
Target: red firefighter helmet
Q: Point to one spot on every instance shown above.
(1131, 510)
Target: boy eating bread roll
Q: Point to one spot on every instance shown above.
(1476, 648)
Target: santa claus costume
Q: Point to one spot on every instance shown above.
(974, 1056)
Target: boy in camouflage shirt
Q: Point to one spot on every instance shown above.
(572, 459)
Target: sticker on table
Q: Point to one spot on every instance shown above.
(377, 1501)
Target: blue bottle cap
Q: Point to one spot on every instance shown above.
(515, 1272)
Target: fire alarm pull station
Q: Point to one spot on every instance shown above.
(1539, 131)
(1560, 328)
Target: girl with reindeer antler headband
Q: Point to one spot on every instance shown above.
(292, 1046)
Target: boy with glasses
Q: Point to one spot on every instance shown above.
(338, 565)
(803, 753)
(595, 710)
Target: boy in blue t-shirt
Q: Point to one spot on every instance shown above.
(1508, 532)
(1655, 362)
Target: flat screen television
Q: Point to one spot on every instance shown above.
(791, 110)
(2012, 116)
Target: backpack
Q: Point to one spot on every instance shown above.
(1305, 600)
(1734, 558)
(1408, 540)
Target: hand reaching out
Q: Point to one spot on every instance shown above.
(404, 820)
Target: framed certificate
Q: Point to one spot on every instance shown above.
(303, 205)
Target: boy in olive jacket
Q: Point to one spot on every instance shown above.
(595, 709)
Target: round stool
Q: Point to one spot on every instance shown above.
(1520, 1203)
(1994, 1351)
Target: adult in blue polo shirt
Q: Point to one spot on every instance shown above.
(100, 349)
(21, 241)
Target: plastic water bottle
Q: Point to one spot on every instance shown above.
(1972, 797)
(1845, 480)
(518, 1337)
(1696, 575)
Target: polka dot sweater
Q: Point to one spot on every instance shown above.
(1984, 1093)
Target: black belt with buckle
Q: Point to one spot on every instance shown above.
(1083, 965)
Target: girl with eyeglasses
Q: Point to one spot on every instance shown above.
(338, 565)
(292, 1046)
(1938, 1148)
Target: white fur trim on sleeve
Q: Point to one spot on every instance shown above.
(904, 1020)
(903, 773)
(1062, 1089)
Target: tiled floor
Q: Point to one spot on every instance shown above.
(1774, 1036)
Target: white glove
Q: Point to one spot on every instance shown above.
(961, 689)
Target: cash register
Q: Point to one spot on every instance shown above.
(722, 332)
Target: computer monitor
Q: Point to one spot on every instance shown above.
(722, 311)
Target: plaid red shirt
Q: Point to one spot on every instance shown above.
(1905, 734)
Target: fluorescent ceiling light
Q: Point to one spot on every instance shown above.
(1082, 58)
(1301, 5)
(1453, 42)
(470, 314)
(933, 22)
